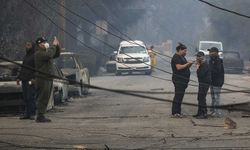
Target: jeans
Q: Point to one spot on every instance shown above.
(29, 98)
(178, 97)
(215, 95)
(202, 105)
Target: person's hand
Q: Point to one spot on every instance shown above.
(189, 63)
(18, 82)
(56, 42)
(197, 66)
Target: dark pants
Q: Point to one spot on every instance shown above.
(202, 105)
(29, 98)
(44, 88)
(178, 97)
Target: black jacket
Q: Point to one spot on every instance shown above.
(204, 74)
(29, 61)
(217, 71)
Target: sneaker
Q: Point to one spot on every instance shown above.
(24, 117)
(218, 115)
(201, 117)
(212, 113)
(177, 116)
(42, 119)
(32, 118)
(196, 115)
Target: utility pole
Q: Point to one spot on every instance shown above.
(62, 24)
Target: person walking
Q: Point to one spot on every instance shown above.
(44, 63)
(217, 80)
(27, 77)
(204, 78)
(180, 78)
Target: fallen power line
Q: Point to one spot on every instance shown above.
(224, 9)
(229, 107)
(84, 43)
(85, 19)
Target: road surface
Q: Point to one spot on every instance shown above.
(106, 120)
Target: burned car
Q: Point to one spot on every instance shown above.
(60, 86)
(10, 92)
(75, 71)
(233, 62)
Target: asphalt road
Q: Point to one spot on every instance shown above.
(106, 120)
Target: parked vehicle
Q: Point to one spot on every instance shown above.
(204, 45)
(133, 56)
(60, 87)
(111, 64)
(74, 70)
(10, 92)
(233, 62)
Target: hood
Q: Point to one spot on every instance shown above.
(68, 71)
(133, 55)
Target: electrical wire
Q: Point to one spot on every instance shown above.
(99, 39)
(229, 107)
(224, 9)
(159, 54)
(87, 45)
(87, 20)
(104, 41)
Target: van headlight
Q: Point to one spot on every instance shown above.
(146, 59)
(120, 59)
(221, 55)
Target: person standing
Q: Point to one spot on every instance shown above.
(217, 79)
(27, 76)
(180, 78)
(152, 55)
(204, 78)
(44, 63)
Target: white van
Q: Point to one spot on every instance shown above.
(204, 45)
(132, 56)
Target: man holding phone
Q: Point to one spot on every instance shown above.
(44, 65)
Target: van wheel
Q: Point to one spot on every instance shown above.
(149, 72)
(59, 99)
(118, 73)
(80, 89)
(85, 90)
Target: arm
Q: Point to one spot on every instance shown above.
(58, 51)
(180, 67)
(52, 52)
(48, 54)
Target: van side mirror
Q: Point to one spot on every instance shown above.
(115, 52)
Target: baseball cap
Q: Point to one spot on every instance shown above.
(200, 54)
(213, 49)
(40, 40)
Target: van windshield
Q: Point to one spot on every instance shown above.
(133, 49)
(205, 46)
